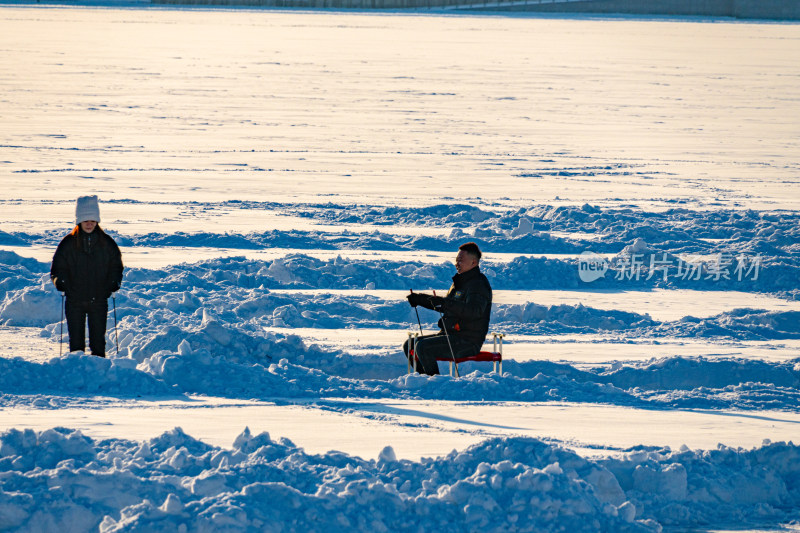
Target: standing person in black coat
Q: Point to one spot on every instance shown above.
(465, 313)
(87, 267)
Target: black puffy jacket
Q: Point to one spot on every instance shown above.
(467, 307)
(87, 266)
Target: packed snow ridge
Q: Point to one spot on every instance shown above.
(715, 242)
(606, 230)
(204, 328)
(61, 478)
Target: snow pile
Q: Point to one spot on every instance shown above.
(37, 305)
(747, 395)
(723, 486)
(219, 377)
(77, 373)
(562, 318)
(59, 479)
(776, 325)
(296, 271)
(25, 298)
(671, 383)
(666, 384)
(15, 240)
(689, 373)
(686, 230)
(609, 230)
(482, 386)
(152, 301)
(772, 237)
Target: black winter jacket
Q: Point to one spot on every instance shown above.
(87, 266)
(467, 307)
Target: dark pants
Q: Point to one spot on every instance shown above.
(77, 312)
(429, 347)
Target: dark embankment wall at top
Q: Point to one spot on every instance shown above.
(778, 9)
(754, 9)
(723, 8)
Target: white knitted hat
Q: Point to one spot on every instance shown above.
(87, 209)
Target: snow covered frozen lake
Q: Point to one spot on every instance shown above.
(278, 180)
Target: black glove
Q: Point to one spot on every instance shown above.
(425, 300)
(415, 299)
(60, 284)
(113, 286)
(437, 303)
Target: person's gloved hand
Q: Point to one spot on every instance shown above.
(415, 299)
(437, 302)
(60, 284)
(113, 286)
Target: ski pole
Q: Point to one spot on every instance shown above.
(452, 354)
(417, 311)
(444, 327)
(61, 328)
(416, 337)
(116, 333)
(416, 340)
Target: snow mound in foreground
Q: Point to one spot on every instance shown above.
(61, 480)
(78, 373)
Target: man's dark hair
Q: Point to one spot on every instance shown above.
(472, 249)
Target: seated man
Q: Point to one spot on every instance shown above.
(465, 314)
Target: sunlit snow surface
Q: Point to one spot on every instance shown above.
(278, 181)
